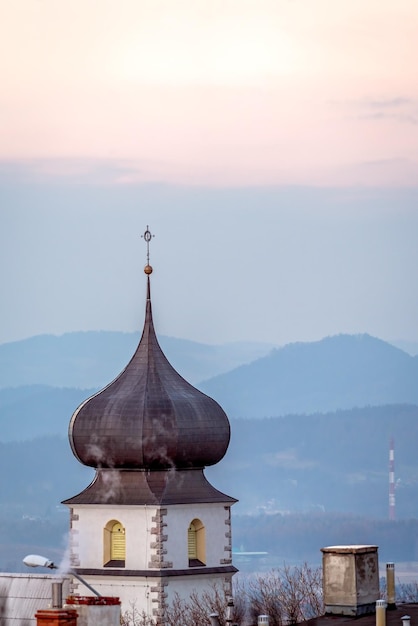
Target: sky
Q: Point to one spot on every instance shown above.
(271, 146)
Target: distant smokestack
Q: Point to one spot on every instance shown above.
(392, 480)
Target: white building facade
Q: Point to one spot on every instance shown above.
(156, 544)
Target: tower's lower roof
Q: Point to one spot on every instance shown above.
(136, 487)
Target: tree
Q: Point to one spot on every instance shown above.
(288, 595)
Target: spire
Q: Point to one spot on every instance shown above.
(147, 236)
(149, 417)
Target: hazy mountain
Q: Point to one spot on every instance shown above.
(37, 411)
(322, 462)
(326, 462)
(329, 460)
(93, 359)
(338, 372)
(281, 468)
(38, 474)
(411, 347)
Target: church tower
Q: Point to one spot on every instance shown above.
(150, 525)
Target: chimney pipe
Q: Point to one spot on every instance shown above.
(214, 619)
(263, 620)
(57, 595)
(390, 586)
(380, 613)
(406, 620)
(229, 611)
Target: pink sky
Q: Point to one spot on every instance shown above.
(214, 91)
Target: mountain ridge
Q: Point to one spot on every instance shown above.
(87, 359)
(337, 372)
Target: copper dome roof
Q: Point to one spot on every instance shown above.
(149, 417)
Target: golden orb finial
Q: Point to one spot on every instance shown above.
(148, 270)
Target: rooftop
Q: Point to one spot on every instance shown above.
(393, 618)
(22, 595)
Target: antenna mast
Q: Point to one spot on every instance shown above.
(392, 480)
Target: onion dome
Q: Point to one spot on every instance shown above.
(149, 417)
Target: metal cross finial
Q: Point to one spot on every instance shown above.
(147, 237)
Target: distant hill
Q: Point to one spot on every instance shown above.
(411, 347)
(322, 462)
(93, 359)
(310, 457)
(37, 411)
(37, 475)
(337, 372)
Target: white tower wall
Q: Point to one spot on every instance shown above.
(156, 565)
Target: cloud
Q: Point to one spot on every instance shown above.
(400, 109)
(396, 171)
(71, 170)
(390, 102)
(390, 162)
(381, 115)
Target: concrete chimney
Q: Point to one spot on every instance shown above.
(350, 579)
(390, 586)
(380, 613)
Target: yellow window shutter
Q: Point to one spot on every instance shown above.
(191, 543)
(117, 548)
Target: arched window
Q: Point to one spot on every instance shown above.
(114, 548)
(196, 544)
